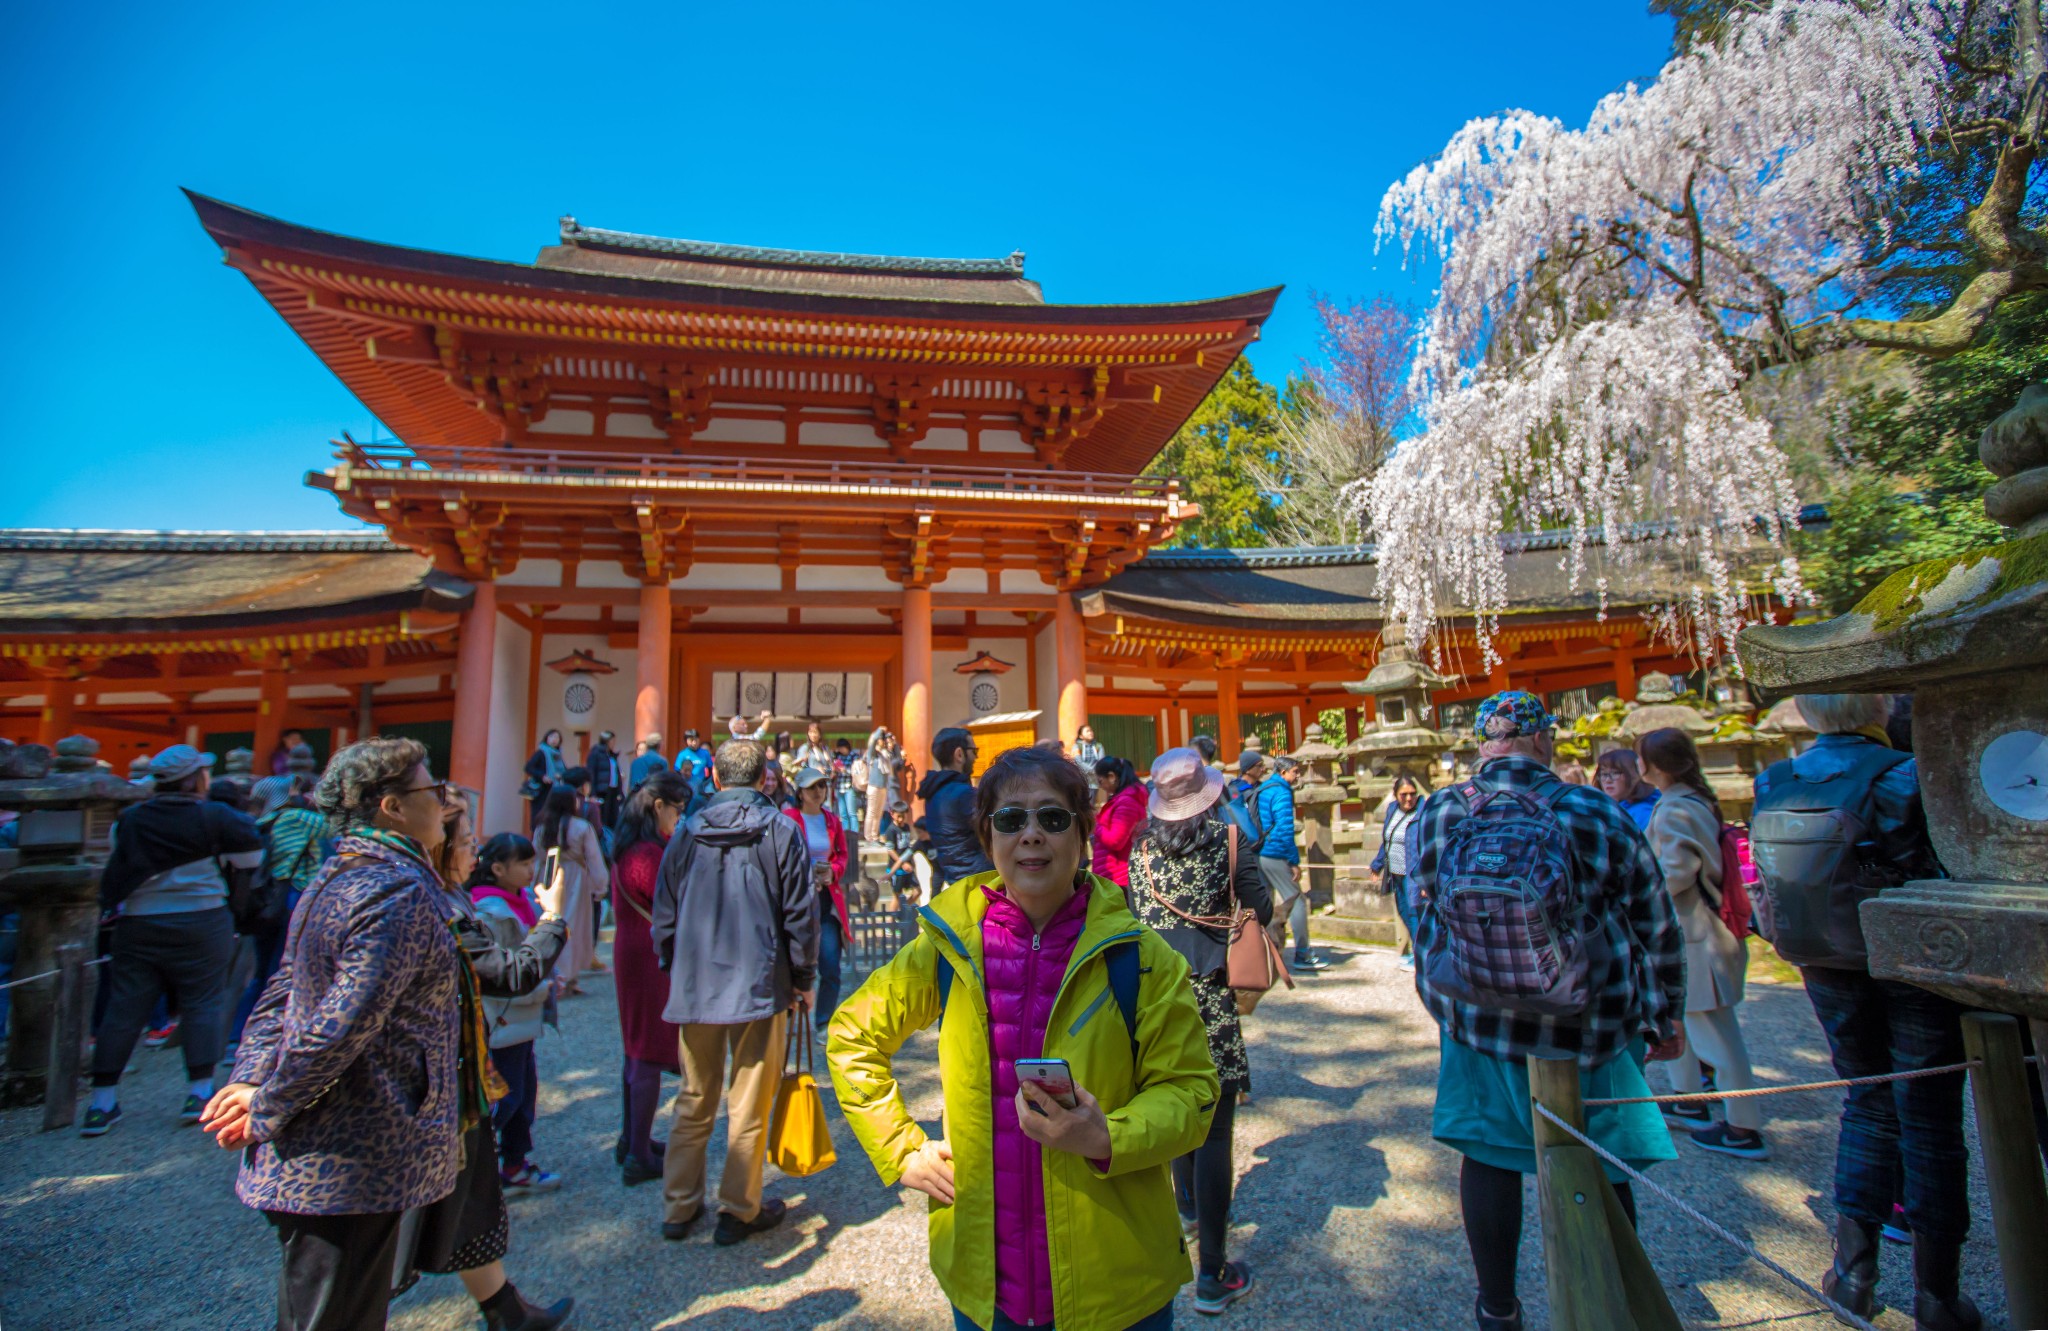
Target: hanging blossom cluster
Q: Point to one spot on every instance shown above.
(1606, 291)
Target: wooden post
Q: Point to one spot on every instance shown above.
(916, 734)
(1600, 1279)
(653, 639)
(1070, 668)
(2012, 1164)
(67, 1039)
(475, 663)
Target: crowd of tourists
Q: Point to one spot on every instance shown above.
(1078, 935)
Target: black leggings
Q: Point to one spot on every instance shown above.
(1492, 1199)
(1206, 1175)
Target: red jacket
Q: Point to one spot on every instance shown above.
(835, 832)
(1115, 827)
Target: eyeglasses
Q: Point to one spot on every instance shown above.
(1052, 819)
(440, 789)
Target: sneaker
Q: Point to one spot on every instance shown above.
(1308, 961)
(731, 1229)
(190, 1113)
(1687, 1115)
(99, 1122)
(1744, 1142)
(161, 1036)
(1896, 1230)
(1189, 1222)
(1214, 1293)
(1408, 961)
(530, 1177)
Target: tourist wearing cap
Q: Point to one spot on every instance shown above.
(173, 933)
(948, 795)
(1239, 794)
(1191, 869)
(1633, 979)
(825, 839)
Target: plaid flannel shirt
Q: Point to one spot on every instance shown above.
(1637, 983)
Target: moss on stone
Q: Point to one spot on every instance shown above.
(1894, 602)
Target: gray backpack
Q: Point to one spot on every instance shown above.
(1812, 878)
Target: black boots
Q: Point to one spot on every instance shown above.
(508, 1310)
(1852, 1280)
(1937, 1304)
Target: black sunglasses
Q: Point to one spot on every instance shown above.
(1052, 819)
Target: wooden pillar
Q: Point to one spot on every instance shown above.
(916, 731)
(2012, 1163)
(1625, 674)
(1229, 731)
(475, 658)
(650, 700)
(1070, 660)
(270, 706)
(1161, 739)
(60, 710)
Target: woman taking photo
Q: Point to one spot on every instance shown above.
(573, 872)
(1685, 832)
(1619, 776)
(1190, 873)
(650, 817)
(1042, 1214)
(825, 838)
(1118, 821)
(879, 761)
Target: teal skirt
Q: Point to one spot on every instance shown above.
(1482, 1110)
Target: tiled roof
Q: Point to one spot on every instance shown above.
(590, 237)
(197, 542)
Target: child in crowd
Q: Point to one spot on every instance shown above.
(499, 885)
(900, 840)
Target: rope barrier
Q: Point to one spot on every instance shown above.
(1786, 1090)
(1743, 1245)
(31, 979)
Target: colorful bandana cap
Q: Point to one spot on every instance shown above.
(1511, 714)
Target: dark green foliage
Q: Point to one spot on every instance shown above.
(1239, 421)
(1915, 487)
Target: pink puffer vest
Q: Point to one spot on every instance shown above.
(1024, 969)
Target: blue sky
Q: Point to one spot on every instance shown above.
(1136, 152)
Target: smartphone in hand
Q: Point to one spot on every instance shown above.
(1052, 1075)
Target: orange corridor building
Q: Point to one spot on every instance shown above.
(641, 484)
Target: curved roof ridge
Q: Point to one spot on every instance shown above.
(590, 237)
(371, 541)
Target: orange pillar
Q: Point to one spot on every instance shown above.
(60, 707)
(1229, 734)
(1070, 667)
(269, 716)
(917, 678)
(475, 657)
(650, 703)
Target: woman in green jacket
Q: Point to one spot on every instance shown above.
(1042, 1215)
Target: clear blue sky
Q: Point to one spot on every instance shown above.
(1136, 152)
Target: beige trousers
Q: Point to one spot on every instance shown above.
(878, 800)
(757, 1050)
(1716, 1036)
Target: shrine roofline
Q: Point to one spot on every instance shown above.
(234, 227)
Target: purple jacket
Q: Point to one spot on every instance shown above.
(353, 1046)
(1024, 971)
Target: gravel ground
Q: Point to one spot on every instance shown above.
(1348, 1211)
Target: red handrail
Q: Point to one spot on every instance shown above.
(527, 460)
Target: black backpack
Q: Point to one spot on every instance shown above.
(259, 899)
(1808, 839)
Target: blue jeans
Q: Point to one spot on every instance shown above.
(829, 945)
(1159, 1321)
(512, 1117)
(849, 813)
(269, 955)
(1908, 1132)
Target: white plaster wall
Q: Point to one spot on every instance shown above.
(631, 425)
(1004, 441)
(1136, 683)
(615, 694)
(942, 441)
(844, 578)
(534, 573)
(839, 433)
(503, 810)
(963, 580)
(559, 421)
(1023, 580)
(739, 430)
(872, 618)
(950, 703)
(731, 577)
(604, 573)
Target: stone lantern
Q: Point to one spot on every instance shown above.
(67, 806)
(1399, 742)
(1731, 750)
(1967, 635)
(1783, 727)
(1315, 812)
(1657, 706)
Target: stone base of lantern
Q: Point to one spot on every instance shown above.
(1982, 944)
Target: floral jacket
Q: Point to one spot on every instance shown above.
(353, 1046)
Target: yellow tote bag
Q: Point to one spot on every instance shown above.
(799, 1138)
